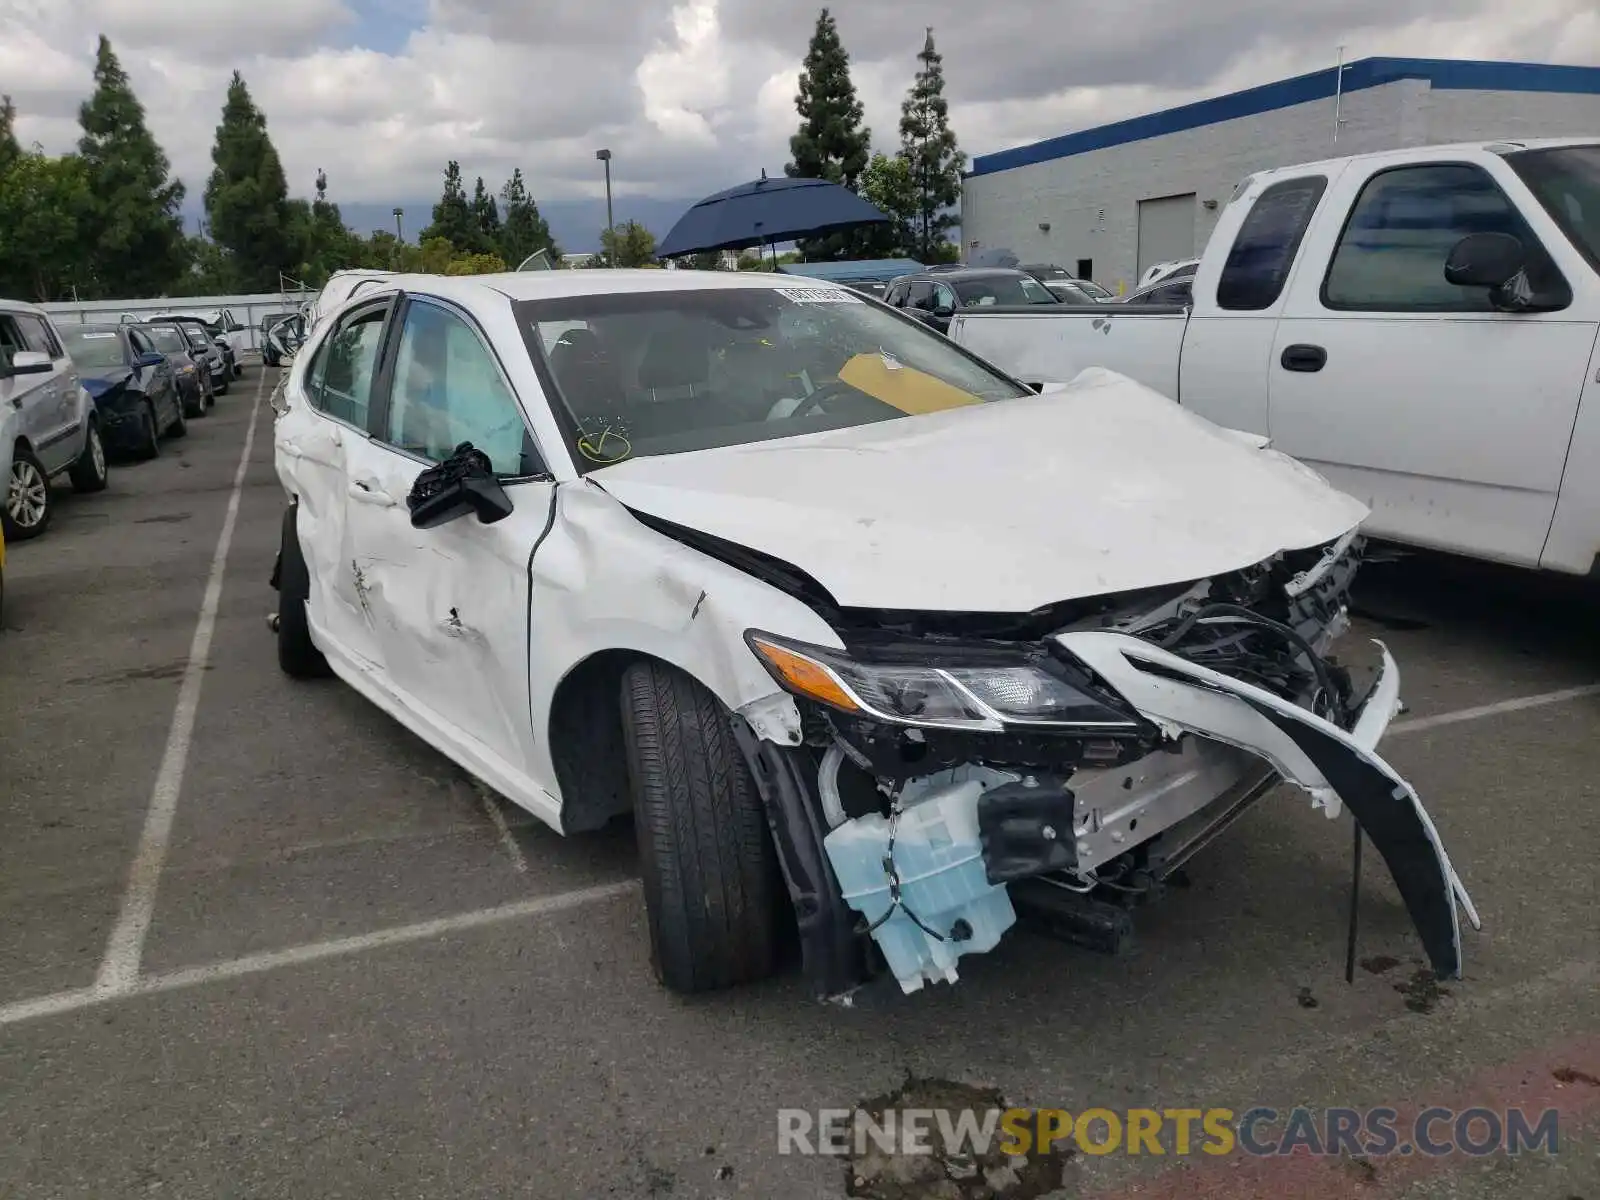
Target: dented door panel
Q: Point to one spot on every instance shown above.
(1335, 767)
(449, 605)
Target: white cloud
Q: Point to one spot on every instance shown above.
(689, 98)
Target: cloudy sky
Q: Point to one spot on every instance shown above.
(691, 98)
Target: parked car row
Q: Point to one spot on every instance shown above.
(73, 396)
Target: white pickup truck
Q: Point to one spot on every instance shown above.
(1418, 325)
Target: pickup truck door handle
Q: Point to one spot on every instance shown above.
(370, 493)
(1301, 357)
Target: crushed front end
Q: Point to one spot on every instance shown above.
(958, 767)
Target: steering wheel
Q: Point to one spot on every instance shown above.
(816, 404)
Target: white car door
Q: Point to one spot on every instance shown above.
(322, 444)
(1450, 419)
(451, 604)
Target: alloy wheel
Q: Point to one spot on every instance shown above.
(29, 495)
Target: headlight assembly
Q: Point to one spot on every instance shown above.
(953, 695)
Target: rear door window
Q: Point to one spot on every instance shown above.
(340, 382)
(1262, 254)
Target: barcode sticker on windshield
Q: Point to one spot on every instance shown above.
(89, 337)
(820, 295)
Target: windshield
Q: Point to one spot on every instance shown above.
(1566, 181)
(91, 348)
(651, 373)
(1094, 289)
(1003, 289)
(167, 339)
(195, 336)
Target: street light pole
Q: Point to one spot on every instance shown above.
(605, 157)
(399, 234)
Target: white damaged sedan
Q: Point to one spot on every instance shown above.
(872, 640)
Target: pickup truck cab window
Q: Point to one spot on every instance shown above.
(1258, 263)
(1391, 253)
(920, 295)
(448, 389)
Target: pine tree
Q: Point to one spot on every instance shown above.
(485, 220)
(452, 216)
(831, 143)
(247, 196)
(928, 145)
(522, 231)
(135, 232)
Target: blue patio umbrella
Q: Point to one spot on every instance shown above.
(766, 211)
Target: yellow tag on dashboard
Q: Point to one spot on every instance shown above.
(906, 388)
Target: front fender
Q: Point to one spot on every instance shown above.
(601, 580)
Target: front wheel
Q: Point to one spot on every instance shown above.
(28, 501)
(89, 473)
(149, 440)
(711, 880)
(194, 402)
(179, 426)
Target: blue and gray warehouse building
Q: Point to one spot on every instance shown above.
(1108, 202)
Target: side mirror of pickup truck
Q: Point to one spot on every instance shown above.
(1486, 260)
(944, 312)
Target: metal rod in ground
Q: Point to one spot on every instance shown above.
(1355, 904)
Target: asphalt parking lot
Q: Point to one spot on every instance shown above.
(257, 940)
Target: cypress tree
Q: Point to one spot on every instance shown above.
(452, 215)
(135, 231)
(247, 196)
(523, 231)
(486, 219)
(928, 146)
(831, 143)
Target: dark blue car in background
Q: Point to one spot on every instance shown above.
(133, 384)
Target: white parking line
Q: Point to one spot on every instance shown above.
(272, 960)
(497, 818)
(253, 964)
(1419, 724)
(120, 968)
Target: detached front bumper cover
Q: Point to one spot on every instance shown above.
(1336, 767)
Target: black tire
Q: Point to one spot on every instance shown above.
(25, 463)
(220, 389)
(89, 473)
(180, 425)
(298, 656)
(149, 444)
(194, 404)
(711, 882)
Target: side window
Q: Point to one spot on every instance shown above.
(1392, 251)
(138, 342)
(448, 389)
(36, 336)
(10, 340)
(1258, 265)
(896, 295)
(341, 378)
(943, 297)
(920, 295)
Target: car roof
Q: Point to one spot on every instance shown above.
(560, 285)
(22, 306)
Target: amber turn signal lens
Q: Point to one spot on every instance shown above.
(803, 676)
